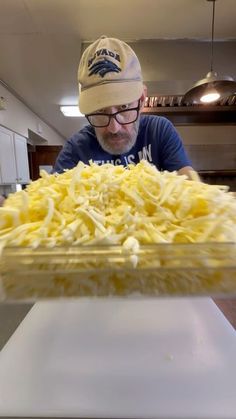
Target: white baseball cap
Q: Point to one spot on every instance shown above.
(109, 74)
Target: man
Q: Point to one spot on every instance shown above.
(2, 199)
(112, 96)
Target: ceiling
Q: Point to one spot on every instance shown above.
(40, 41)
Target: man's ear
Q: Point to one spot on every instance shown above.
(143, 97)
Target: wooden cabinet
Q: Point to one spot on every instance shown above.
(42, 156)
(14, 167)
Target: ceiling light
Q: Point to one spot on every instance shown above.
(72, 111)
(212, 87)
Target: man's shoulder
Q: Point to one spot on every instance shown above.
(85, 134)
(153, 121)
(154, 127)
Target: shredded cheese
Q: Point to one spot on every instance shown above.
(116, 205)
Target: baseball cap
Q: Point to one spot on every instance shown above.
(109, 74)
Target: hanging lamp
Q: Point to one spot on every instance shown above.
(212, 87)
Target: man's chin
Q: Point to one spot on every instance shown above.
(119, 147)
(116, 147)
(116, 151)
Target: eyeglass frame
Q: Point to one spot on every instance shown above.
(113, 115)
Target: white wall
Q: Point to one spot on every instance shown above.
(19, 118)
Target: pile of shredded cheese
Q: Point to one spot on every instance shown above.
(108, 204)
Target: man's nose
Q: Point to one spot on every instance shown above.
(113, 126)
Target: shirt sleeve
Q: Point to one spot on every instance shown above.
(66, 158)
(173, 154)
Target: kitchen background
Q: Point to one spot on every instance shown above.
(40, 47)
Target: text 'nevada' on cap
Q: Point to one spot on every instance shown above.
(109, 74)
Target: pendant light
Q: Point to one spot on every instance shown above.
(212, 87)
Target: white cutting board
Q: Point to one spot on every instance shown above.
(141, 358)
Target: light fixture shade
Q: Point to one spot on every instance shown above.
(212, 83)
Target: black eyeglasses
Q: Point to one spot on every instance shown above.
(125, 117)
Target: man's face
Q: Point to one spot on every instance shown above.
(117, 138)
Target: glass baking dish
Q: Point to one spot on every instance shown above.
(152, 270)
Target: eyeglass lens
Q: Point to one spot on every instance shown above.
(126, 116)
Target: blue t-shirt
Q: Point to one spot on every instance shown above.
(157, 142)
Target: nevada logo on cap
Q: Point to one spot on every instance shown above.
(103, 66)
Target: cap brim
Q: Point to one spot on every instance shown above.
(109, 94)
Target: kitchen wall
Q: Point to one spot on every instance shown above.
(210, 147)
(202, 134)
(19, 118)
(170, 67)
